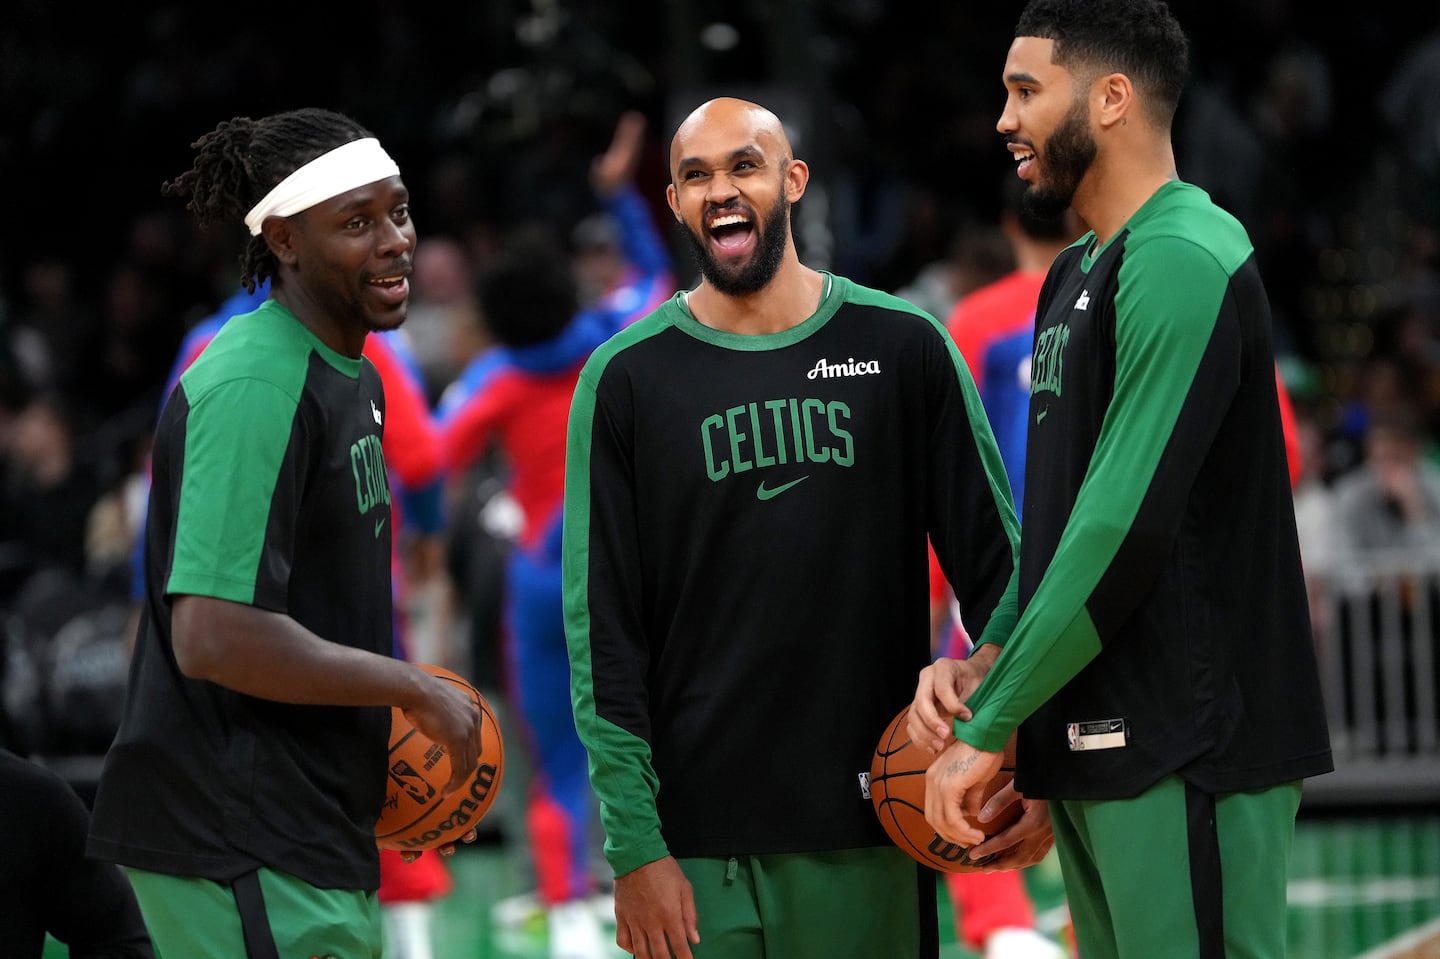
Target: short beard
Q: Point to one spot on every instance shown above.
(764, 262)
(1068, 155)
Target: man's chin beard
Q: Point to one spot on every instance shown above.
(747, 279)
(1045, 203)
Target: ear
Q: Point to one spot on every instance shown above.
(797, 176)
(673, 199)
(1114, 96)
(279, 234)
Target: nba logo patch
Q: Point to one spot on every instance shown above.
(865, 785)
(1100, 734)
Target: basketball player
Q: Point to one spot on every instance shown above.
(243, 785)
(1162, 671)
(751, 474)
(412, 459)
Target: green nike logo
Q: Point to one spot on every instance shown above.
(1042, 414)
(379, 525)
(762, 494)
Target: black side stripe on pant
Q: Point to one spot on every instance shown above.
(254, 923)
(1206, 886)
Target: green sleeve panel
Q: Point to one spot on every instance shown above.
(236, 439)
(1007, 612)
(621, 772)
(1128, 510)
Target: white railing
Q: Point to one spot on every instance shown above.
(1377, 630)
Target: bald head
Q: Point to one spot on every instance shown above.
(730, 125)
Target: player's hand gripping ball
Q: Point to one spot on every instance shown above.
(415, 815)
(897, 788)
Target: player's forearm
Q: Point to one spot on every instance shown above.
(271, 656)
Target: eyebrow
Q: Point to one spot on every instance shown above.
(1021, 76)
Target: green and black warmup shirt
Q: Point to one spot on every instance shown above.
(1163, 621)
(746, 585)
(269, 489)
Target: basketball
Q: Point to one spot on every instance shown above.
(897, 789)
(415, 816)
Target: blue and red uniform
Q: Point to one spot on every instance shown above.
(994, 329)
(519, 400)
(647, 280)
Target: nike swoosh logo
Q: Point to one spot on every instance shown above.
(1042, 414)
(379, 525)
(762, 494)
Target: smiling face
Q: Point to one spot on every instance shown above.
(349, 260)
(732, 183)
(1046, 124)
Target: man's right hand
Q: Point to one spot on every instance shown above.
(446, 715)
(655, 912)
(940, 696)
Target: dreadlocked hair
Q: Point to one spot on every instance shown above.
(243, 159)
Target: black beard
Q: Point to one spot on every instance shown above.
(1068, 155)
(764, 263)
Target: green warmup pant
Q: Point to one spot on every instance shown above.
(192, 918)
(1178, 873)
(877, 903)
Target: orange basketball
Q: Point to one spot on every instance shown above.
(897, 788)
(415, 816)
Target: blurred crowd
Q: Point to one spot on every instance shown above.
(1321, 131)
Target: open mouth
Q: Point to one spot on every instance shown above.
(393, 289)
(731, 233)
(1024, 158)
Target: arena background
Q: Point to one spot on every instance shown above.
(893, 104)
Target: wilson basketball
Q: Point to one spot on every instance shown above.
(897, 788)
(415, 816)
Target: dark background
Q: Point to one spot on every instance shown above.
(494, 110)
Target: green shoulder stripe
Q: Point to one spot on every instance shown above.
(243, 393)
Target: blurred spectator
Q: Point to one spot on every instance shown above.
(1315, 513)
(1408, 333)
(129, 351)
(979, 255)
(48, 491)
(118, 517)
(1378, 386)
(1392, 499)
(52, 324)
(442, 325)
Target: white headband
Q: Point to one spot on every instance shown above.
(342, 169)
